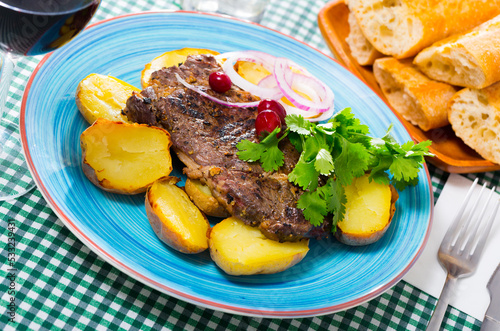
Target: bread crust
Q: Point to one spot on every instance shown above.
(474, 115)
(402, 28)
(419, 100)
(470, 59)
(361, 49)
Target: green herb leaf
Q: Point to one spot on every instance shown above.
(267, 151)
(298, 124)
(324, 162)
(272, 158)
(403, 168)
(378, 171)
(304, 175)
(352, 162)
(314, 207)
(336, 200)
(297, 140)
(250, 151)
(339, 150)
(347, 124)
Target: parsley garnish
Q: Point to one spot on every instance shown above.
(337, 152)
(267, 151)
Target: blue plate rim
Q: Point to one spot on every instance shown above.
(172, 291)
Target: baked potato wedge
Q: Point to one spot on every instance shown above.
(202, 197)
(369, 210)
(175, 219)
(169, 59)
(125, 158)
(239, 249)
(103, 96)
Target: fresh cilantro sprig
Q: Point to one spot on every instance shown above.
(267, 151)
(332, 154)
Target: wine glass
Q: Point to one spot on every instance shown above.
(27, 28)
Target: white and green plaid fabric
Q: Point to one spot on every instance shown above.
(61, 285)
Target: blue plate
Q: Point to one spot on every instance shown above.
(332, 277)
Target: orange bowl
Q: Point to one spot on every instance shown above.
(451, 154)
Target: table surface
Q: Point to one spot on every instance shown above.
(62, 285)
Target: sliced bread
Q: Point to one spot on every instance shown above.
(470, 59)
(474, 115)
(401, 28)
(419, 100)
(361, 49)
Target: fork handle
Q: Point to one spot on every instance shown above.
(444, 299)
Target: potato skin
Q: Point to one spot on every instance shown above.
(207, 203)
(100, 96)
(167, 233)
(239, 249)
(235, 269)
(109, 130)
(359, 239)
(105, 184)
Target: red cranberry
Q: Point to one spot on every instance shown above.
(274, 106)
(265, 123)
(219, 82)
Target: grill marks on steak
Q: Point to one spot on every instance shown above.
(204, 135)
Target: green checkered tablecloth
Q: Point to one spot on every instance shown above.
(60, 284)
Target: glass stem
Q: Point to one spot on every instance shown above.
(8, 65)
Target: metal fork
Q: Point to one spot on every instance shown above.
(462, 246)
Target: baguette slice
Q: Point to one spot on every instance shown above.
(418, 99)
(470, 59)
(361, 49)
(402, 28)
(474, 115)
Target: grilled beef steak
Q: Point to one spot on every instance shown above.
(204, 135)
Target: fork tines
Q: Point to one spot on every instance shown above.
(456, 239)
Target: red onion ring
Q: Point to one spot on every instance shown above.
(312, 116)
(197, 89)
(266, 60)
(268, 81)
(307, 114)
(287, 79)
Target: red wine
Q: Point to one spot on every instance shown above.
(32, 27)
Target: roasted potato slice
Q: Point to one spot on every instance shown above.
(203, 198)
(103, 96)
(125, 158)
(170, 59)
(239, 249)
(175, 219)
(369, 210)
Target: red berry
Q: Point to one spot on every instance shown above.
(219, 82)
(265, 123)
(274, 106)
